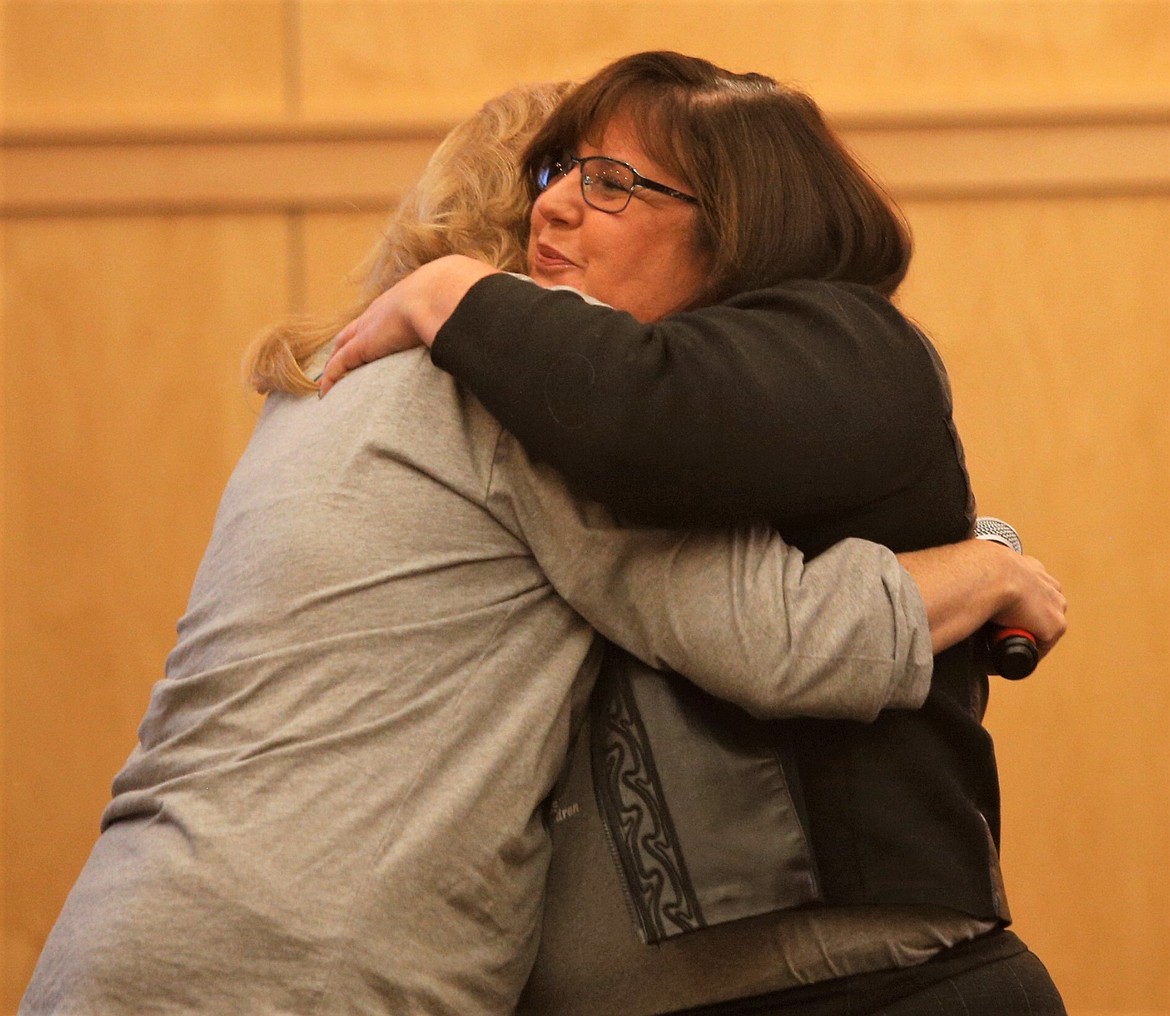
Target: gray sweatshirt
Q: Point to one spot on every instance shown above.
(335, 803)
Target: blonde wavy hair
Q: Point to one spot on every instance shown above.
(469, 200)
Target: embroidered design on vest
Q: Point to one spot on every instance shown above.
(635, 812)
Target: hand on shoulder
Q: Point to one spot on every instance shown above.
(408, 313)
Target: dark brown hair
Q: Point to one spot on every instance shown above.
(780, 196)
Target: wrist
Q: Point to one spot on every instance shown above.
(1003, 578)
(440, 287)
(963, 586)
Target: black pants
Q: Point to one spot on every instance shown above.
(993, 975)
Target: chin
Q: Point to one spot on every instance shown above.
(557, 277)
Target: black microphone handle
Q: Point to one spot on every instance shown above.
(1014, 653)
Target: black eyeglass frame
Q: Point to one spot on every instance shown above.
(551, 167)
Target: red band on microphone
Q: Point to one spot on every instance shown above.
(1007, 633)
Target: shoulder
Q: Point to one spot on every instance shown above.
(842, 303)
(404, 408)
(813, 324)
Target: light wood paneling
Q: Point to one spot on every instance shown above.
(266, 169)
(954, 156)
(368, 166)
(335, 247)
(79, 63)
(125, 336)
(117, 62)
(263, 168)
(384, 58)
(1081, 1011)
(1053, 316)
(7, 920)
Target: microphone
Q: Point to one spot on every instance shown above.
(1014, 653)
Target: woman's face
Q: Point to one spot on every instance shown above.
(643, 260)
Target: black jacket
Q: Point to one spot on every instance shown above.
(818, 408)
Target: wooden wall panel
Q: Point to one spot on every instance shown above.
(1053, 316)
(352, 167)
(129, 414)
(405, 59)
(162, 62)
(335, 246)
(68, 63)
(209, 171)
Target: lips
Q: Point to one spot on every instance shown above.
(551, 259)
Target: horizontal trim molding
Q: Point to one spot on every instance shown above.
(229, 173)
(357, 166)
(982, 159)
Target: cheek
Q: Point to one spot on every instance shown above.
(678, 275)
(535, 224)
(650, 271)
(649, 265)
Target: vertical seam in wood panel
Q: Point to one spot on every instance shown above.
(293, 107)
(293, 62)
(297, 280)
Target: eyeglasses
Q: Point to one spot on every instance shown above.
(606, 184)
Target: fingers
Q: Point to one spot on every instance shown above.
(347, 333)
(383, 328)
(1048, 605)
(1039, 605)
(1059, 623)
(346, 356)
(336, 369)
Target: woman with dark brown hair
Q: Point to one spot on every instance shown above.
(801, 866)
(335, 804)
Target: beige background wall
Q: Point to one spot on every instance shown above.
(176, 173)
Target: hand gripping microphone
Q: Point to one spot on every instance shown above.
(1014, 653)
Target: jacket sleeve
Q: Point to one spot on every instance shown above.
(738, 612)
(784, 403)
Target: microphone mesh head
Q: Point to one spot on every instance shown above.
(987, 527)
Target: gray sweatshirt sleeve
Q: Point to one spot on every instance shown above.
(739, 612)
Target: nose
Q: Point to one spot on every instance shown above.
(561, 200)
